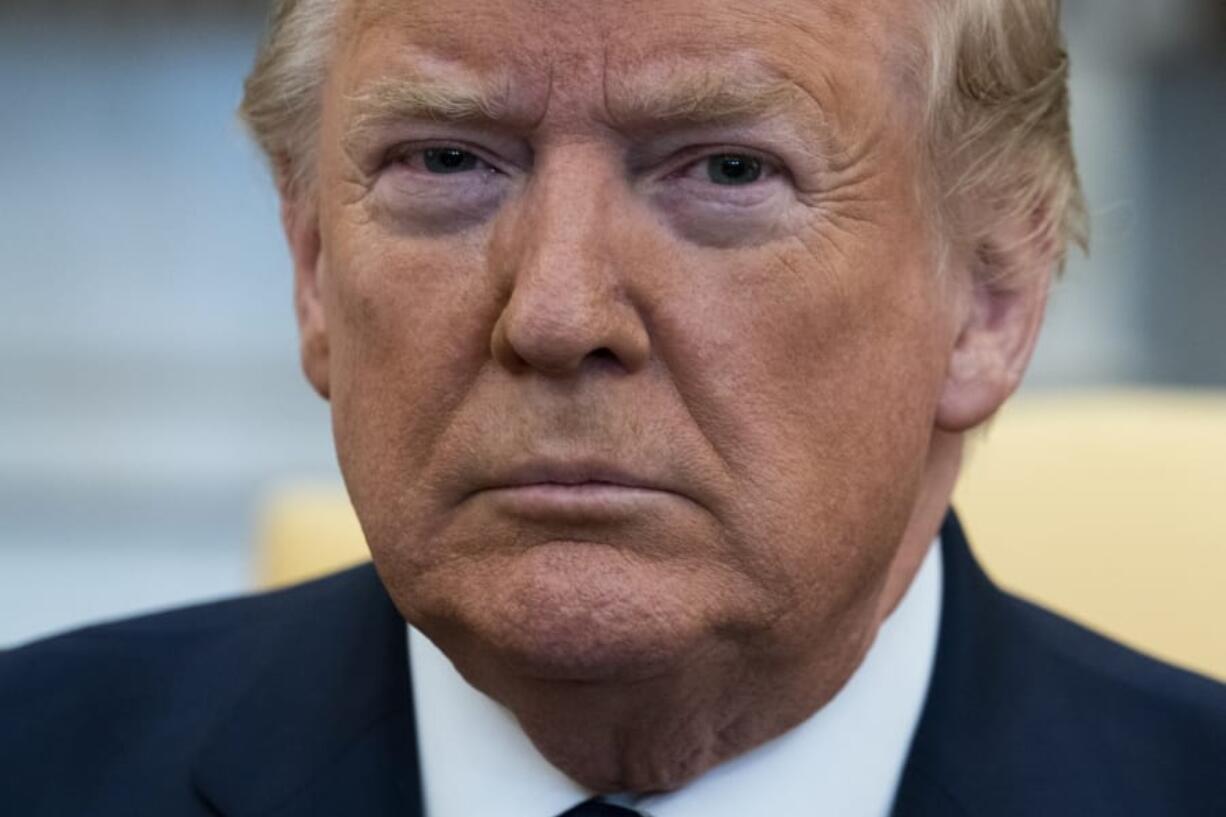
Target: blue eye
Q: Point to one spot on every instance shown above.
(732, 169)
(448, 160)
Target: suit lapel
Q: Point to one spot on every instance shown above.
(955, 748)
(327, 726)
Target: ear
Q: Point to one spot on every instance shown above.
(301, 224)
(1003, 290)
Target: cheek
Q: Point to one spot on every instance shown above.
(816, 379)
(408, 325)
(782, 348)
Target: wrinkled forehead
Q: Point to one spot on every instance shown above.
(856, 53)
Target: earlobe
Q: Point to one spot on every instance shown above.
(1001, 318)
(301, 225)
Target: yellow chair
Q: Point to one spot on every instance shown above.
(1109, 507)
(305, 530)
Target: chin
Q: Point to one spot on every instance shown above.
(571, 612)
(584, 651)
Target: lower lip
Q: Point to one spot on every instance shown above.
(554, 500)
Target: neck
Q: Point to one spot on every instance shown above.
(936, 491)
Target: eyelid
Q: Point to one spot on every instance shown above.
(768, 170)
(400, 151)
(691, 156)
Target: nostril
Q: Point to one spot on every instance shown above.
(603, 358)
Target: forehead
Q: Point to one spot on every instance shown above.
(840, 51)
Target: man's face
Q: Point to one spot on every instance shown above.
(629, 317)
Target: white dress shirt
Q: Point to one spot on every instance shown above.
(845, 760)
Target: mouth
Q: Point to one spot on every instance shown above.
(572, 490)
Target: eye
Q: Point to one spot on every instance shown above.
(438, 160)
(727, 171)
(733, 169)
(448, 160)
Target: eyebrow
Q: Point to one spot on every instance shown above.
(423, 98)
(688, 96)
(387, 101)
(681, 96)
(656, 98)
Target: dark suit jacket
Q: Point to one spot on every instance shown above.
(298, 703)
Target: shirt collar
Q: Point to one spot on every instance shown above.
(848, 757)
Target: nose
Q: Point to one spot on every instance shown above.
(569, 306)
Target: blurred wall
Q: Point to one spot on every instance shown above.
(147, 342)
(151, 388)
(1149, 126)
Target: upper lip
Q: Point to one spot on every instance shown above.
(570, 472)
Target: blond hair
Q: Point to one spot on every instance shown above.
(998, 124)
(997, 112)
(281, 96)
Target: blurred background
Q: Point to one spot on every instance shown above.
(151, 397)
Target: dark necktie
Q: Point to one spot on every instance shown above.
(598, 808)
